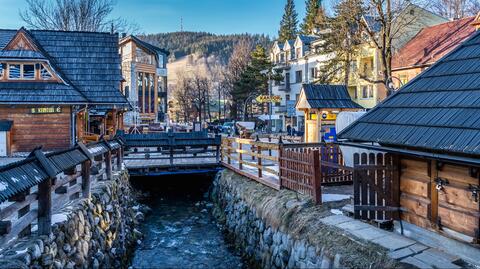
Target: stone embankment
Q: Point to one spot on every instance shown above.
(89, 233)
(281, 229)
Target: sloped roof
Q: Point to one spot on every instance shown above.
(328, 96)
(88, 62)
(150, 47)
(432, 43)
(307, 39)
(437, 111)
(21, 54)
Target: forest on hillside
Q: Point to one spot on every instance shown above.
(180, 44)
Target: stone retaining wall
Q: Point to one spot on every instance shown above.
(95, 233)
(280, 229)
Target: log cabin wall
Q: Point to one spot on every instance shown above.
(451, 208)
(31, 130)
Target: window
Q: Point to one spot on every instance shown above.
(298, 52)
(140, 91)
(146, 90)
(313, 73)
(29, 71)
(2, 70)
(298, 76)
(44, 73)
(126, 91)
(287, 79)
(14, 71)
(287, 97)
(367, 91)
(142, 57)
(151, 83)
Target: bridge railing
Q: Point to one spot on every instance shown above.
(33, 188)
(169, 149)
(301, 167)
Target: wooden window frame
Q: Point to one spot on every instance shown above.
(37, 70)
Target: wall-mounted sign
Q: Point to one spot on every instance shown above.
(269, 98)
(46, 110)
(329, 116)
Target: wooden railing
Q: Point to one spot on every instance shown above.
(301, 167)
(31, 189)
(253, 158)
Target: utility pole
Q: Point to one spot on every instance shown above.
(181, 24)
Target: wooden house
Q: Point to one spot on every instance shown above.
(50, 81)
(321, 104)
(144, 68)
(431, 126)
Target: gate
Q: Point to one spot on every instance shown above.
(376, 187)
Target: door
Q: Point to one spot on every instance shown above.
(312, 131)
(3, 144)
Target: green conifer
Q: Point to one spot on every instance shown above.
(288, 24)
(314, 7)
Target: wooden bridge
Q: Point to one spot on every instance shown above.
(171, 153)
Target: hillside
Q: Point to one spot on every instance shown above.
(181, 44)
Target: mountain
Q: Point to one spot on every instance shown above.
(181, 44)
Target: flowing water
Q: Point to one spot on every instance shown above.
(181, 232)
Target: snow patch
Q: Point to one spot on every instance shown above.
(21, 251)
(328, 197)
(56, 218)
(3, 186)
(336, 211)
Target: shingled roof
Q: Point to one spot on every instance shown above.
(432, 43)
(325, 96)
(438, 111)
(88, 62)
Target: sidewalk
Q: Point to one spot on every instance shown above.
(399, 247)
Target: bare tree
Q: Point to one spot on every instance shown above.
(455, 9)
(236, 66)
(74, 15)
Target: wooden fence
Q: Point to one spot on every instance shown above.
(301, 167)
(31, 189)
(376, 187)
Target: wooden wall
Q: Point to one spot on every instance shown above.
(32, 130)
(452, 207)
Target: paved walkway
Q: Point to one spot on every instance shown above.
(399, 247)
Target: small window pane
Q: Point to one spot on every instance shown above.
(28, 71)
(44, 73)
(14, 71)
(2, 70)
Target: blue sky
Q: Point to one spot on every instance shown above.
(217, 16)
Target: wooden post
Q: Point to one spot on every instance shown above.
(45, 195)
(433, 194)
(86, 178)
(119, 158)
(281, 163)
(229, 151)
(356, 185)
(45, 207)
(240, 166)
(259, 161)
(108, 164)
(317, 176)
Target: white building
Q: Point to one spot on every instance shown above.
(299, 62)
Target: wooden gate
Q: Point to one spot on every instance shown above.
(376, 187)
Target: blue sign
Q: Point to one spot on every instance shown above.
(291, 109)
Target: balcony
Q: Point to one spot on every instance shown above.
(284, 88)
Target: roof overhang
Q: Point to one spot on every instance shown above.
(302, 102)
(415, 153)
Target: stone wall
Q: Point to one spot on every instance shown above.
(95, 233)
(280, 229)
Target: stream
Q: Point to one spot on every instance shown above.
(181, 232)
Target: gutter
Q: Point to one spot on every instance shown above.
(419, 154)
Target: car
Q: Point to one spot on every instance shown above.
(227, 127)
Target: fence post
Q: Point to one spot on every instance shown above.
(259, 160)
(218, 141)
(240, 166)
(86, 178)
(229, 151)
(171, 142)
(317, 176)
(45, 195)
(280, 161)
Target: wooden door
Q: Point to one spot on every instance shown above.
(376, 187)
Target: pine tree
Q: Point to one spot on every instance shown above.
(314, 7)
(289, 22)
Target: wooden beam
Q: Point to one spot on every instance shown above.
(108, 164)
(86, 179)
(45, 207)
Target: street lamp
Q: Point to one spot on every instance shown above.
(269, 75)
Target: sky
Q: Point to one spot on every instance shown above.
(155, 16)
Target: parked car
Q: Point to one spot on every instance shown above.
(227, 127)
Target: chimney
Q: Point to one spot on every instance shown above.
(476, 22)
